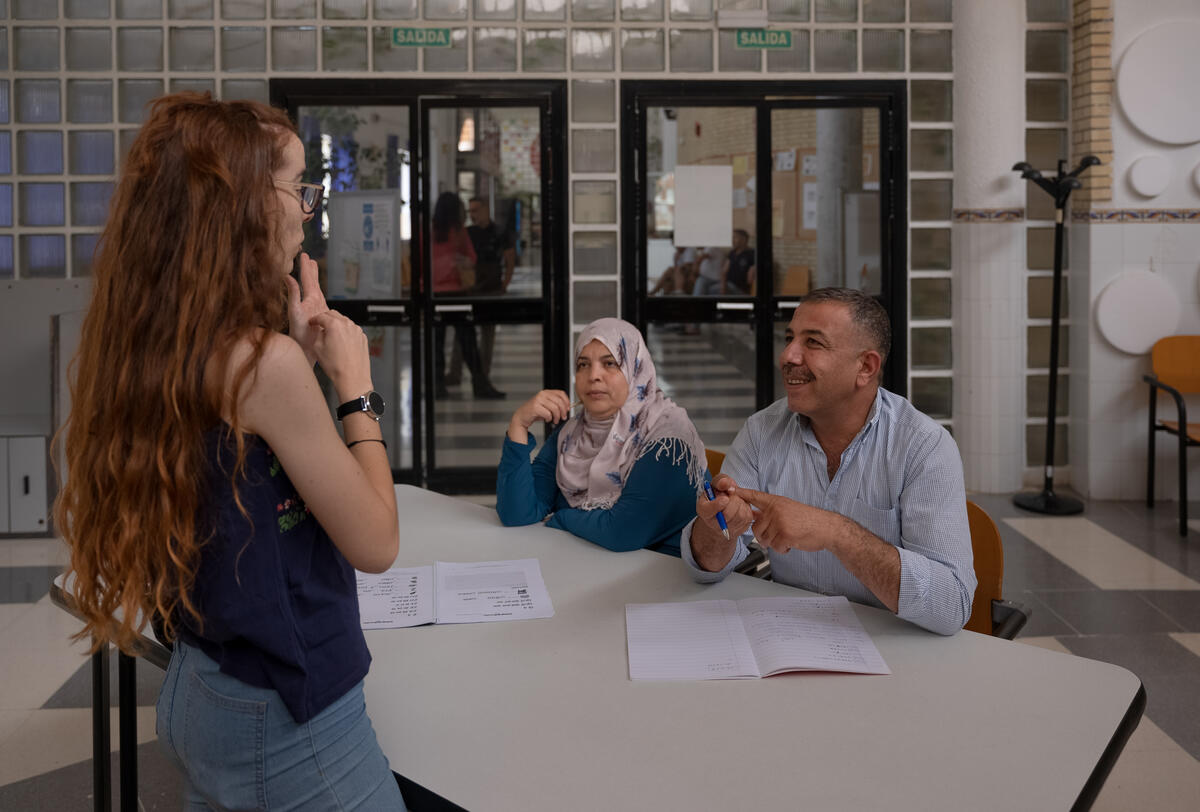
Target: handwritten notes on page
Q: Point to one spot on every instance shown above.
(752, 637)
(453, 593)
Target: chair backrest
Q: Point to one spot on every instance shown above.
(989, 567)
(715, 460)
(1175, 362)
(796, 281)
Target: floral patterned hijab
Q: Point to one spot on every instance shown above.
(596, 456)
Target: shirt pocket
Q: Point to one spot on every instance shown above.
(884, 523)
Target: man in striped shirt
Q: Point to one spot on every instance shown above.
(850, 489)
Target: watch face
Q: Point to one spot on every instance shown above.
(375, 401)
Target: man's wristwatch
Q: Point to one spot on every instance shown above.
(369, 402)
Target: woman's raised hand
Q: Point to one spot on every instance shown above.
(549, 406)
(340, 347)
(305, 300)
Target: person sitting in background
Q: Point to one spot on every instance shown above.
(625, 472)
(709, 262)
(737, 274)
(680, 276)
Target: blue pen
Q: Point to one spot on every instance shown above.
(720, 514)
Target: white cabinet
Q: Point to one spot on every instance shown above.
(23, 507)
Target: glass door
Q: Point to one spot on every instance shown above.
(489, 274)
(440, 234)
(738, 199)
(360, 236)
(700, 244)
(825, 207)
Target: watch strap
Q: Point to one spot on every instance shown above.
(359, 404)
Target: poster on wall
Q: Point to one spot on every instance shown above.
(704, 206)
(812, 198)
(363, 259)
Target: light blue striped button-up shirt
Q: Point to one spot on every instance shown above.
(900, 478)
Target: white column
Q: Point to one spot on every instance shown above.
(988, 251)
(839, 169)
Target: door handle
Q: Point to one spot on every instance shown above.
(452, 308)
(735, 305)
(373, 308)
(25, 482)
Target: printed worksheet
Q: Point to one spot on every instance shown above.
(402, 596)
(447, 592)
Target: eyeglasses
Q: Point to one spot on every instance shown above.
(309, 193)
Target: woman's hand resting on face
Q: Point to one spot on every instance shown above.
(548, 406)
(305, 300)
(340, 347)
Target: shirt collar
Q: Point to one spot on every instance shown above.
(806, 431)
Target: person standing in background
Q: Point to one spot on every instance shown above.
(454, 263)
(495, 258)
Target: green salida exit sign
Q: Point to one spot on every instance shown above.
(421, 37)
(763, 38)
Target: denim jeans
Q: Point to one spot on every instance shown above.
(238, 747)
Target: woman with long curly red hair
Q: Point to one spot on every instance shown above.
(207, 485)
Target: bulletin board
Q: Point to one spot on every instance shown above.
(363, 257)
(792, 170)
(744, 208)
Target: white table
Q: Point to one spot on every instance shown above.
(541, 714)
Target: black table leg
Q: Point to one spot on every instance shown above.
(101, 734)
(127, 716)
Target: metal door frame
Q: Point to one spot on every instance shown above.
(417, 312)
(888, 96)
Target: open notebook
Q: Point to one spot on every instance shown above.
(453, 593)
(748, 638)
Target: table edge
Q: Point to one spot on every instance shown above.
(1116, 745)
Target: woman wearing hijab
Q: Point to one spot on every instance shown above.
(622, 473)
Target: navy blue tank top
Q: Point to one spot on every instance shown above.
(279, 601)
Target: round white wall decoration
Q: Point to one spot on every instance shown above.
(1157, 72)
(1150, 175)
(1135, 310)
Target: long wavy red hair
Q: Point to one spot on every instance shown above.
(187, 265)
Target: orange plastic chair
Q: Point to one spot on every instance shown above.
(990, 613)
(1176, 363)
(715, 460)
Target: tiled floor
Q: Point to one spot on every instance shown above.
(709, 380)
(1115, 584)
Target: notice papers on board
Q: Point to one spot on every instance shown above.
(453, 593)
(748, 638)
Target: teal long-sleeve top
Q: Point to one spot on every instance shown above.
(655, 504)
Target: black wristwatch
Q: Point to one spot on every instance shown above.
(370, 402)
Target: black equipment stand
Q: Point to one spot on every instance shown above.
(1060, 188)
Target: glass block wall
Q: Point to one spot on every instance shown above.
(1047, 113)
(78, 73)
